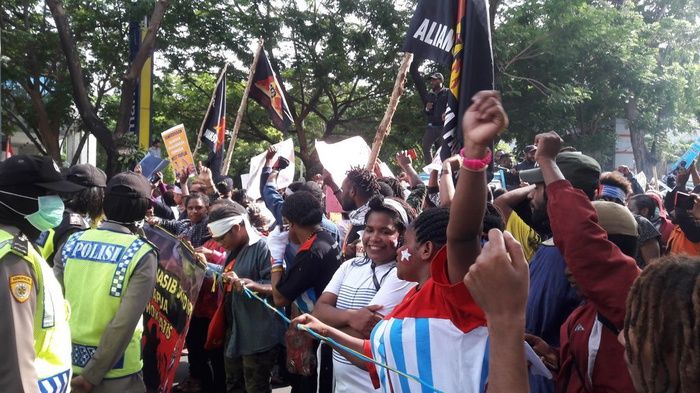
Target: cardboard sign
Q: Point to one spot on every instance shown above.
(284, 178)
(178, 148)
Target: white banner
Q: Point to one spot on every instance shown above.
(338, 158)
(286, 176)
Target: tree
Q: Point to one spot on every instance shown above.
(574, 66)
(88, 113)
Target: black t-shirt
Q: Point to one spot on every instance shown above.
(314, 266)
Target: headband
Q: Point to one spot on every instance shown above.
(613, 192)
(393, 205)
(219, 228)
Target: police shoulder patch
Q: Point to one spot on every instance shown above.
(75, 219)
(20, 245)
(20, 287)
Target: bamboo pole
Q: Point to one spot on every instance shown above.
(211, 102)
(241, 110)
(385, 125)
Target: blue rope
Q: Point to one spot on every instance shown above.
(336, 344)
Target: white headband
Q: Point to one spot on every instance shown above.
(221, 227)
(399, 209)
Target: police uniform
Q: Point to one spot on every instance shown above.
(50, 241)
(108, 275)
(34, 329)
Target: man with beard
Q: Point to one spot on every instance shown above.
(551, 298)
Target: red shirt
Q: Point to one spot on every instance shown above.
(208, 301)
(604, 276)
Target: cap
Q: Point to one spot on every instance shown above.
(129, 184)
(41, 171)
(615, 218)
(581, 170)
(87, 175)
(437, 75)
(530, 148)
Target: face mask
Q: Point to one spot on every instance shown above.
(49, 215)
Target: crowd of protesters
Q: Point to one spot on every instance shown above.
(442, 286)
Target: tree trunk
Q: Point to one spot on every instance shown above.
(87, 111)
(48, 133)
(639, 148)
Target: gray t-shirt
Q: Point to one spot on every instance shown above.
(253, 327)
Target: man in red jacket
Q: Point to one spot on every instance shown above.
(592, 360)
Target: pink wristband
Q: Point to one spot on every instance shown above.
(476, 164)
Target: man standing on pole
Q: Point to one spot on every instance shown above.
(435, 111)
(108, 275)
(34, 330)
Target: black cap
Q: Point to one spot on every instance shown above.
(437, 75)
(530, 148)
(87, 175)
(129, 184)
(40, 171)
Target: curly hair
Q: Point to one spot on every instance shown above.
(616, 179)
(364, 181)
(663, 312)
(257, 219)
(302, 208)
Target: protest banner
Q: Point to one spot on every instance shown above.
(150, 165)
(178, 148)
(689, 155)
(338, 158)
(168, 313)
(284, 178)
(431, 32)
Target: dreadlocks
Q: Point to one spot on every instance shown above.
(663, 312)
(431, 226)
(364, 180)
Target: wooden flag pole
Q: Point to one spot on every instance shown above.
(211, 102)
(385, 125)
(241, 109)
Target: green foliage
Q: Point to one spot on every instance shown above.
(573, 66)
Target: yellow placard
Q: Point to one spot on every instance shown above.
(178, 148)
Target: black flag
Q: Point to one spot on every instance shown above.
(432, 31)
(267, 92)
(215, 129)
(472, 68)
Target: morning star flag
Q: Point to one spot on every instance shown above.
(472, 68)
(168, 313)
(215, 128)
(267, 92)
(432, 31)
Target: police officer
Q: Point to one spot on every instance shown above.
(34, 332)
(83, 209)
(108, 275)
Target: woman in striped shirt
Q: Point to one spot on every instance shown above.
(364, 289)
(438, 333)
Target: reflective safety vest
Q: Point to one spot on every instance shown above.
(52, 341)
(45, 244)
(98, 265)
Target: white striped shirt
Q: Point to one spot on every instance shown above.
(354, 286)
